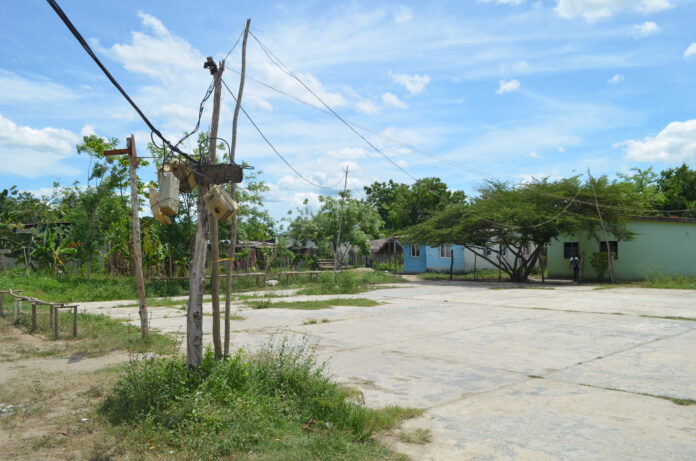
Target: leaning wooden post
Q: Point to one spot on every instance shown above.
(214, 237)
(56, 312)
(33, 317)
(233, 193)
(137, 251)
(2, 304)
(135, 221)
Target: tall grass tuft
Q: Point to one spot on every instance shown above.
(278, 403)
(348, 282)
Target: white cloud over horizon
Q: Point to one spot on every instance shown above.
(676, 143)
(31, 153)
(645, 29)
(595, 10)
(414, 84)
(690, 51)
(390, 99)
(508, 86)
(616, 79)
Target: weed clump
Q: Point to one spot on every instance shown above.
(279, 402)
(348, 282)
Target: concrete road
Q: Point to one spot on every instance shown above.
(569, 372)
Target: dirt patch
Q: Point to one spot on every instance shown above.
(47, 397)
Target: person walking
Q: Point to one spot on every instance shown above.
(575, 265)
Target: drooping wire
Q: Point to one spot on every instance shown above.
(234, 46)
(270, 144)
(285, 69)
(201, 108)
(111, 78)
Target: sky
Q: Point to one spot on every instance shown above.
(504, 89)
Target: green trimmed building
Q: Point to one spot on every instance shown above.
(662, 246)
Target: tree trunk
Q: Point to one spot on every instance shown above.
(137, 251)
(451, 263)
(194, 317)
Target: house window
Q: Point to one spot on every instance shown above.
(570, 249)
(415, 251)
(445, 251)
(613, 246)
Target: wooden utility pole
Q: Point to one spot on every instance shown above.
(135, 221)
(610, 264)
(233, 193)
(337, 262)
(214, 238)
(194, 317)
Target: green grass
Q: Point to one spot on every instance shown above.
(72, 288)
(666, 281)
(275, 405)
(484, 274)
(416, 436)
(348, 282)
(313, 304)
(97, 334)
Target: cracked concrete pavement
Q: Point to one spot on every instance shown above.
(569, 372)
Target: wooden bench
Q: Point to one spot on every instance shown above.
(53, 311)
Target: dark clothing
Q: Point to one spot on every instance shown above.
(575, 264)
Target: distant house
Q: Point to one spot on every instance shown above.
(386, 250)
(664, 246)
(422, 258)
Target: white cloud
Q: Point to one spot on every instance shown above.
(14, 88)
(675, 143)
(594, 10)
(390, 99)
(616, 79)
(31, 152)
(645, 29)
(534, 154)
(158, 54)
(690, 51)
(368, 107)
(403, 14)
(413, 83)
(87, 130)
(508, 86)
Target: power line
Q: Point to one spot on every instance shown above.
(89, 51)
(270, 144)
(282, 67)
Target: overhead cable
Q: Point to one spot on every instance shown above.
(89, 51)
(285, 69)
(270, 144)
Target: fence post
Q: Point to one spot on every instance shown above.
(55, 321)
(33, 317)
(2, 304)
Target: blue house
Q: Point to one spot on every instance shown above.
(421, 258)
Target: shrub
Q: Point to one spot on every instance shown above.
(277, 398)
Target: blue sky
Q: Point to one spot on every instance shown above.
(510, 89)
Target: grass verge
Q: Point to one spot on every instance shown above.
(666, 281)
(485, 274)
(278, 404)
(97, 334)
(348, 282)
(313, 304)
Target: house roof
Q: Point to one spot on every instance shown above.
(664, 219)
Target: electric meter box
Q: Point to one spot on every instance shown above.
(187, 180)
(156, 212)
(168, 196)
(220, 203)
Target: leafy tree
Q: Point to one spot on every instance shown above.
(401, 205)
(678, 185)
(53, 250)
(509, 225)
(340, 222)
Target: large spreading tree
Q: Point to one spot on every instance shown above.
(509, 225)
